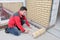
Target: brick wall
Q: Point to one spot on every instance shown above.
(14, 6)
(39, 11)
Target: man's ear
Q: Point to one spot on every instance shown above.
(18, 10)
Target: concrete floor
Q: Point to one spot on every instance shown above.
(55, 30)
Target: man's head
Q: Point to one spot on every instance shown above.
(23, 10)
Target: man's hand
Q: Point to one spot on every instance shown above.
(26, 31)
(30, 27)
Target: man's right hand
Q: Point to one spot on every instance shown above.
(26, 31)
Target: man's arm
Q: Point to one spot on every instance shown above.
(18, 23)
(26, 21)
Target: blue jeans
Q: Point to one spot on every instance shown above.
(15, 30)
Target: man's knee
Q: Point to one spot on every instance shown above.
(14, 31)
(16, 34)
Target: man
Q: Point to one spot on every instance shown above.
(15, 24)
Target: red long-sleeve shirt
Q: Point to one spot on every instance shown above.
(15, 20)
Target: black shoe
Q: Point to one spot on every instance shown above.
(6, 31)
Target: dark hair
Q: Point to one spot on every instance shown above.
(23, 8)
